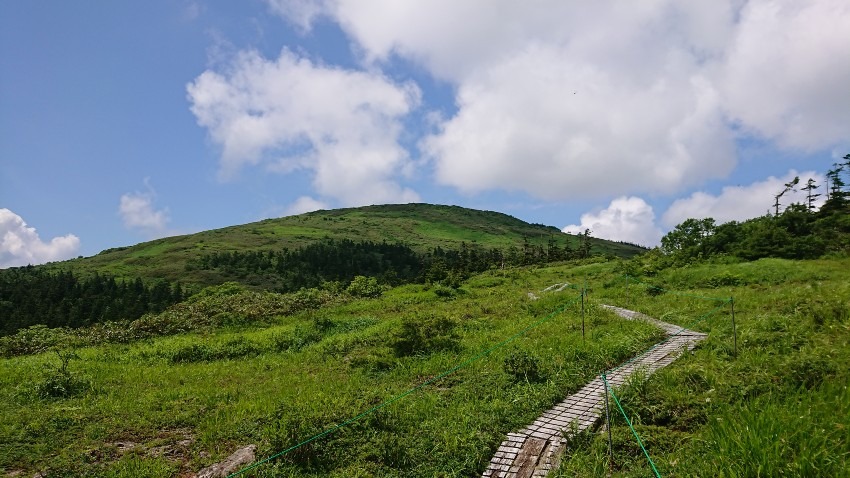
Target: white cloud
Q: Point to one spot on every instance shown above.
(555, 126)
(305, 204)
(661, 88)
(138, 213)
(787, 71)
(738, 203)
(299, 12)
(628, 219)
(20, 245)
(290, 113)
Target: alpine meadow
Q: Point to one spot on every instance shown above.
(425, 239)
(409, 340)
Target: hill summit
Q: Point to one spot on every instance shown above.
(422, 227)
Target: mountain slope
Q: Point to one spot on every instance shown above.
(420, 226)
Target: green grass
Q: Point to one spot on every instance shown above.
(778, 408)
(170, 405)
(310, 371)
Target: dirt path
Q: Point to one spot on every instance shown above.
(535, 450)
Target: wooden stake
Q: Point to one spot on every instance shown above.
(734, 329)
(582, 315)
(608, 425)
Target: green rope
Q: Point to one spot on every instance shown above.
(683, 294)
(412, 390)
(629, 422)
(650, 349)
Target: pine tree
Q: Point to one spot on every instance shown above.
(837, 196)
(788, 187)
(810, 196)
(584, 244)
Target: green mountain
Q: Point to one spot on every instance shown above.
(422, 227)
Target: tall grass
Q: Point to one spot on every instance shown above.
(778, 408)
(169, 405)
(277, 381)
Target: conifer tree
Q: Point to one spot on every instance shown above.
(788, 187)
(837, 195)
(810, 186)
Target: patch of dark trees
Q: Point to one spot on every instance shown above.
(30, 296)
(330, 261)
(800, 231)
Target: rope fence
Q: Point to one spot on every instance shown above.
(581, 298)
(392, 400)
(610, 391)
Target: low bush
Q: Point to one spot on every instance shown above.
(654, 290)
(225, 305)
(234, 348)
(32, 340)
(725, 279)
(59, 382)
(426, 334)
(191, 353)
(445, 292)
(363, 286)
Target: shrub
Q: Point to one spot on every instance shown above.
(725, 279)
(363, 286)
(445, 292)
(454, 279)
(302, 336)
(59, 381)
(426, 334)
(191, 353)
(32, 340)
(234, 348)
(654, 290)
(237, 348)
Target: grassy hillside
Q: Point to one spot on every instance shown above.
(272, 371)
(421, 226)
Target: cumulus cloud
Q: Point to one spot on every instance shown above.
(138, 213)
(289, 114)
(554, 126)
(787, 70)
(738, 203)
(20, 245)
(305, 204)
(559, 99)
(299, 12)
(628, 219)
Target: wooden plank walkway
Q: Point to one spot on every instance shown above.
(535, 450)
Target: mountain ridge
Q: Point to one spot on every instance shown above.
(420, 226)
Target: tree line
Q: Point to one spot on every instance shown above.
(31, 295)
(340, 261)
(800, 231)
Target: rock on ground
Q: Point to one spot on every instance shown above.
(233, 463)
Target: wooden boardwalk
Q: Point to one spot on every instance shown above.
(535, 450)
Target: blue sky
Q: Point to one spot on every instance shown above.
(125, 121)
